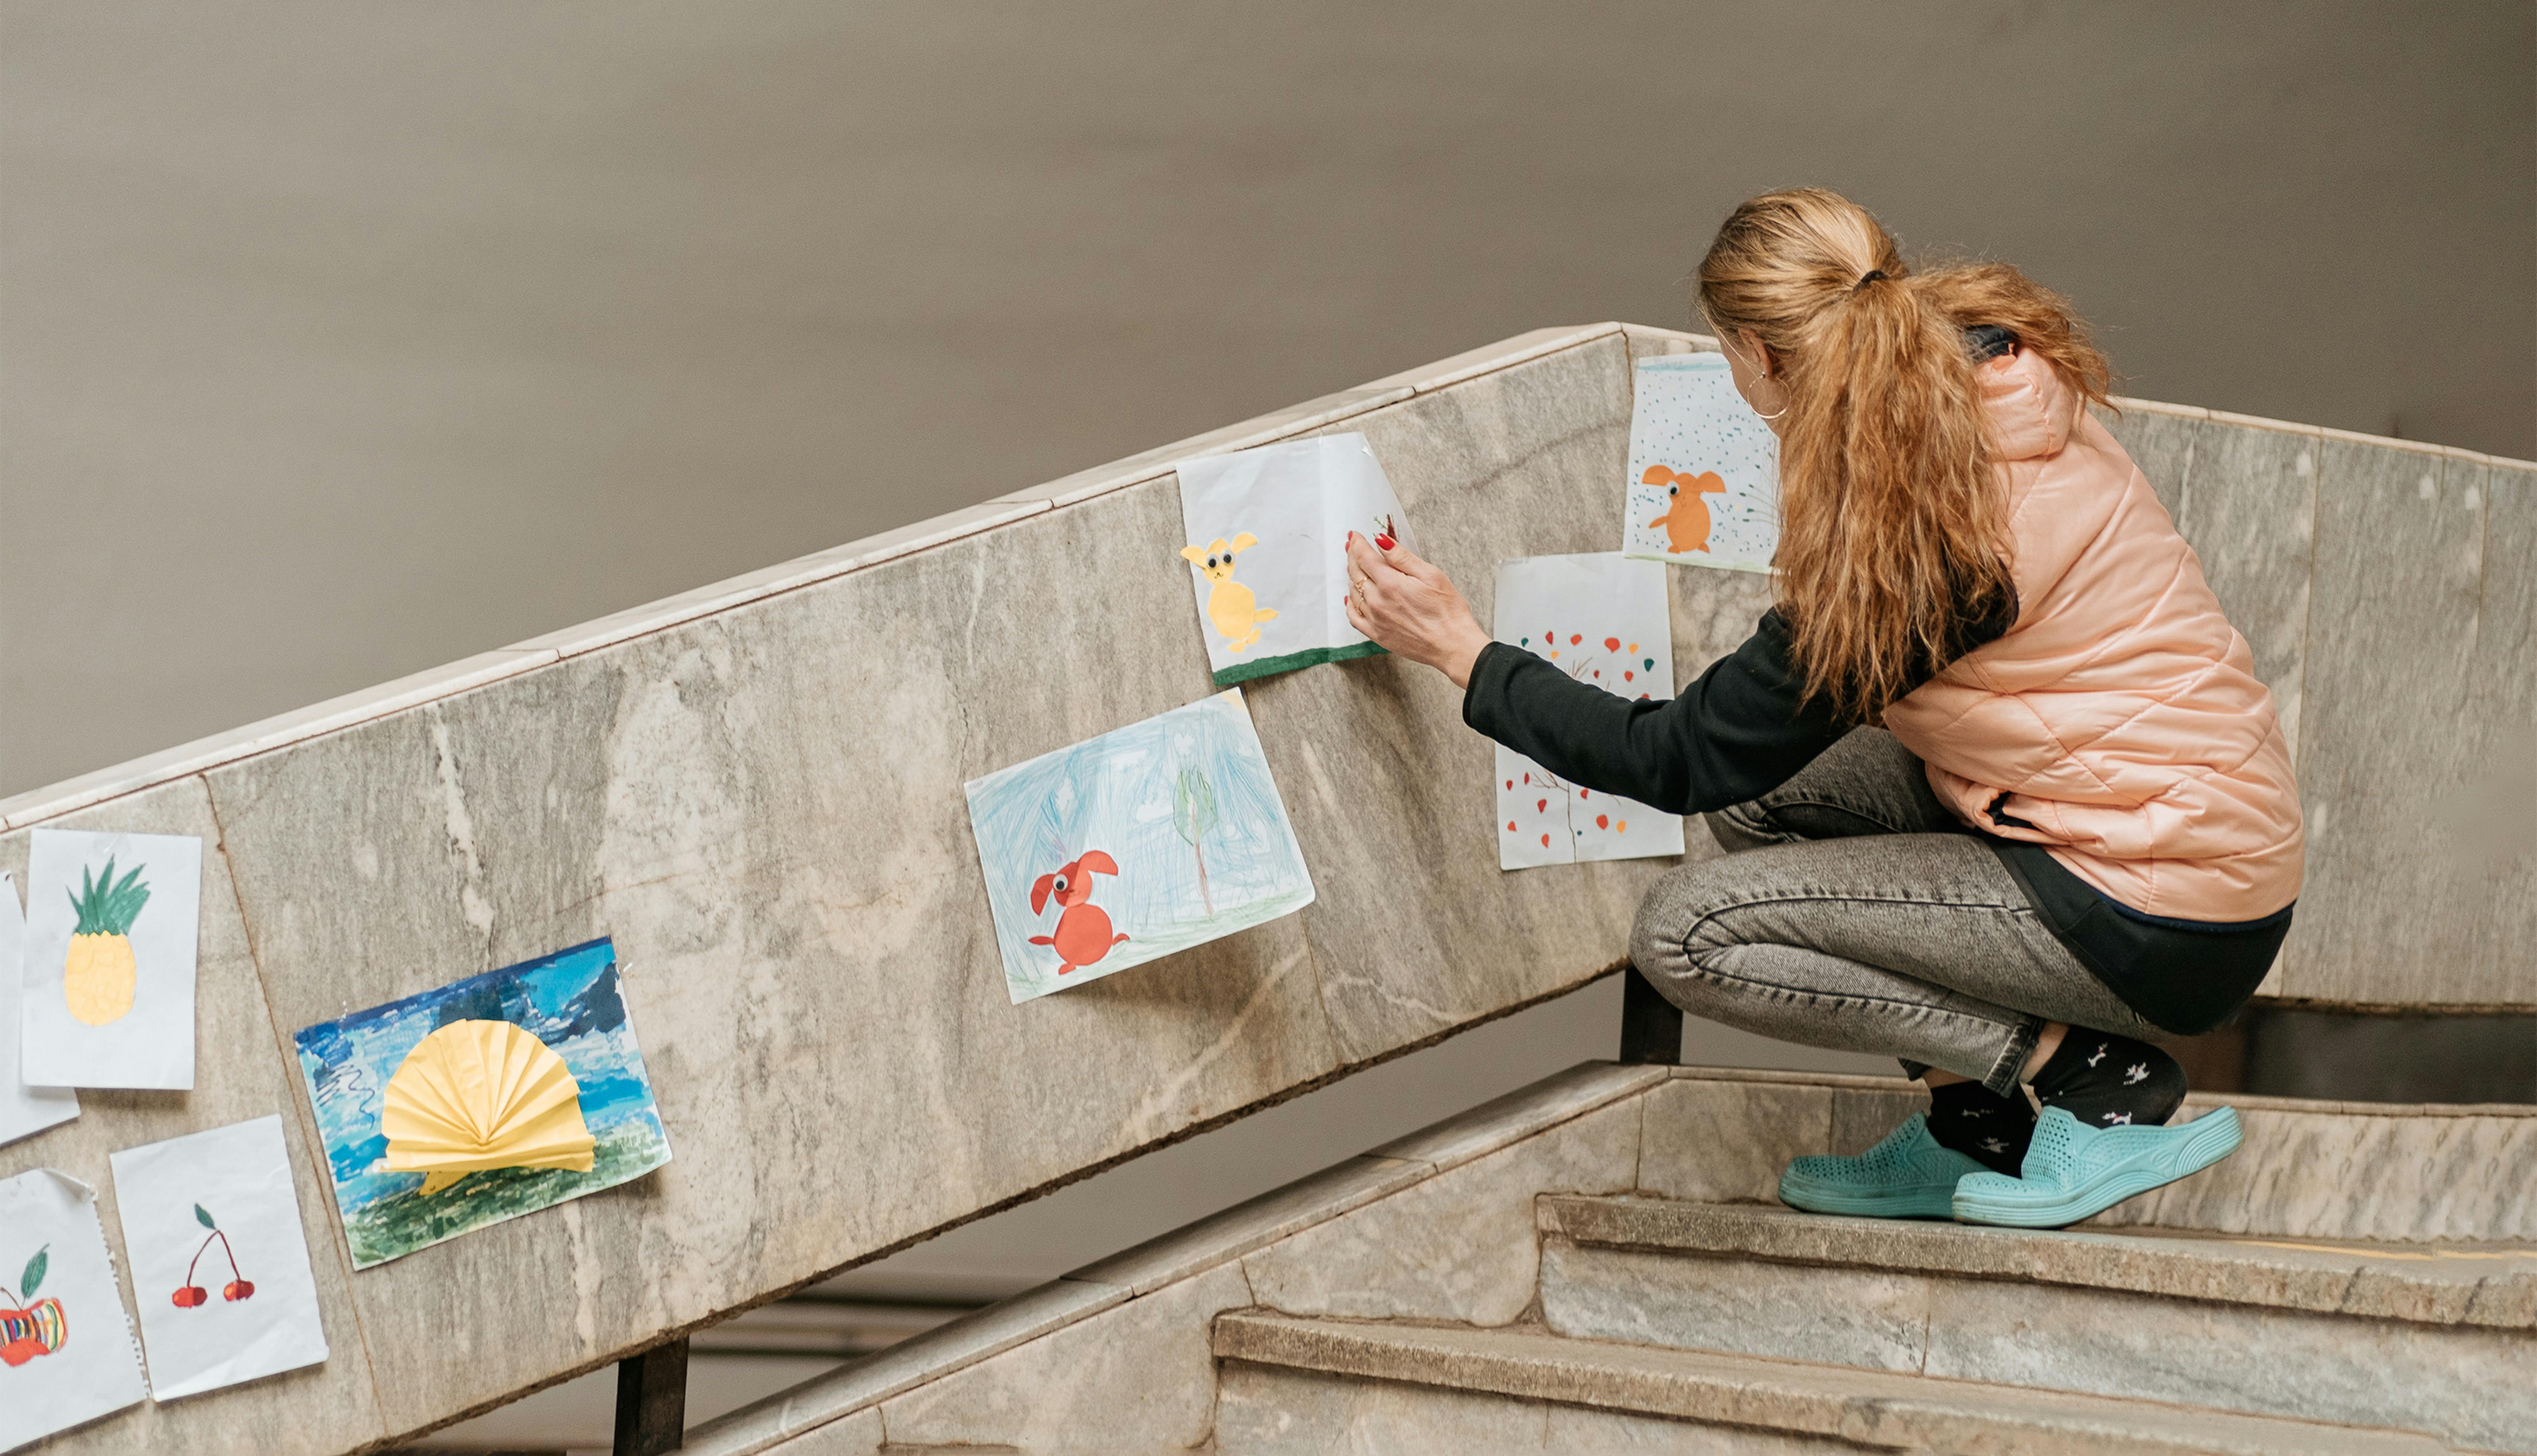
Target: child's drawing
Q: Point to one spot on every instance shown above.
(108, 970)
(1286, 510)
(1231, 606)
(97, 974)
(201, 1330)
(66, 1351)
(489, 1097)
(1686, 519)
(1702, 486)
(481, 1095)
(1084, 934)
(1193, 819)
(36, 1327)
(1603, 620)
(1148, 840)
(192, 1296)
(24, 1109)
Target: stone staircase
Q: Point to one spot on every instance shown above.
(1299, 1385)
(1597, 1264)
(1951, 1337)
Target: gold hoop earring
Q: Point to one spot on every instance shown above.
(1783, 401)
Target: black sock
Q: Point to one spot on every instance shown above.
(1991, 1129)
(2110, 1081)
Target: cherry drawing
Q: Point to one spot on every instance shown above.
(190, 1295)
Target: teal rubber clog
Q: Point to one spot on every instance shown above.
(2075, 1172)
(1908, 1175)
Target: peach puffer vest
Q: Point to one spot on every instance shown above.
(2121, 715)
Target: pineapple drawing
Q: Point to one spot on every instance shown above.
(96, 976)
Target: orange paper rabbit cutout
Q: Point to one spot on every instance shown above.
(1686, 516)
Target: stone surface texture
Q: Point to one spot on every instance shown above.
(1500, 1120)
(2308, 1170)
(812, 974)
(1577, 1129)
(2358, 1170)
(1860, 1408)
(2467, 1383)
(1726, 1142)
(1265, 1409)
(269, 735)
(1137, 1376)
(1255, 1223)
(325, 1407)
(2487, 1284)
(1461, 1245)
(799, 1420)
(2397, 727)
(1432, 1238)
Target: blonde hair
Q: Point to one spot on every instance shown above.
(1894, 531)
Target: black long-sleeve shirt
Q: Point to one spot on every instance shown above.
(1738, 731)
(1745, 726)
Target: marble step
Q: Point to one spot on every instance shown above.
(1290, 1385)
(2433, 1338)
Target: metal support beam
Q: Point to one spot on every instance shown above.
(652, 1400)
(1651, 1025)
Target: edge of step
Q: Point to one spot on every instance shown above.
(1870, 1407)
(2196, 1102)
(2489, 1286)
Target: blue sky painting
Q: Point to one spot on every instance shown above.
(1122, 849)
(569, 1000)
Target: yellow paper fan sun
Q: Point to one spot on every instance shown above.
(477, 1095)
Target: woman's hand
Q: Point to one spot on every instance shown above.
(1409, 606)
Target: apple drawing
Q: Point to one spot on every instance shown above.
(38, 1326)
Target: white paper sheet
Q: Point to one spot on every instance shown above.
(140, 991)
(1703, 487)
(66, 1351)
(1603, 619)
(24, 1109)
(1134, 844)
(1280, 602)
(213, 1217)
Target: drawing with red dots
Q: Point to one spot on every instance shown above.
(1601, 619)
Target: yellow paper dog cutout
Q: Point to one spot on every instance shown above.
(1230, 606)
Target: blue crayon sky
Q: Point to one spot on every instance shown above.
(569, 1000)
(1122, 793)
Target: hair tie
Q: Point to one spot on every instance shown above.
(1872, 276)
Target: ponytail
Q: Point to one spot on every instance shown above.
(1894, 531)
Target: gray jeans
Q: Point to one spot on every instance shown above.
(1852, 911)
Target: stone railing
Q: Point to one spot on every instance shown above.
(755, 790)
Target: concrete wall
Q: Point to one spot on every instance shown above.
(757, 790)
(346, 338)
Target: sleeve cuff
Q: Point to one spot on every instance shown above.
(1484, 697)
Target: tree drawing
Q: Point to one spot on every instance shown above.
(1193, 815)
(1625, 673)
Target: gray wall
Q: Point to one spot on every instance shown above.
(345, 338)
